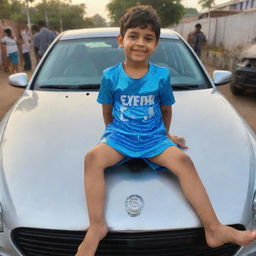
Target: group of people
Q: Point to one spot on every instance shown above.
(40, 38)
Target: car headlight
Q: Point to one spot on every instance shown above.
(1, 219)
(244, 63)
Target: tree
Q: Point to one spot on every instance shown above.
(190, 12)
(98, 21)
(207, 3)
(12, 10)
(60, 14)
(170, 11)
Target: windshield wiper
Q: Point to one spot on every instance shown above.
(71, 87)
(58, 87)
(89, 86)
(185, 86)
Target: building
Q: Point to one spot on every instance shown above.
(229, 8)
(238, 5)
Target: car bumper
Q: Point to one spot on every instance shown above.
(245, 77)
(191, 242)
(170, 243)
(7, 248)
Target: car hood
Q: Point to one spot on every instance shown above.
(48, 134)
(249, 53)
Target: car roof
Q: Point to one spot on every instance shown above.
(107, 32)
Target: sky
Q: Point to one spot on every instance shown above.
(98, 6)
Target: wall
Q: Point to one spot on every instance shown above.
(230, 33)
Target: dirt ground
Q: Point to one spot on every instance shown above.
(245, 105)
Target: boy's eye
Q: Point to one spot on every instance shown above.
(132, 36)
(148, 39)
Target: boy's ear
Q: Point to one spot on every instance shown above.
(120, 40)
(157, 43)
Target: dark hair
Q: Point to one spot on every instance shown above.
(8, 32)
(41, 23)
(142, 16)
(198, 25)
(35, 28)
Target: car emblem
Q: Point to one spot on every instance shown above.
(134, 205)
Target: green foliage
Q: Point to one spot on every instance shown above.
(12, 10)
(98, 21)
(207, 3)
(57, 12)
(170, 11)
(190, 12)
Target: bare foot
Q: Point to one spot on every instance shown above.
(222, 234)
(92, 238)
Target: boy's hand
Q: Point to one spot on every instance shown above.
(180, 141)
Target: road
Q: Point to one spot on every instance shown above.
(245, 105)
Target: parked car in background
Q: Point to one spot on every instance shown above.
(45, 135)
(245, 73)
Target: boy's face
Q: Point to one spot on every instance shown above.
(138, 44)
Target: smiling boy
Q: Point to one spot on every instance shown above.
(137, 99)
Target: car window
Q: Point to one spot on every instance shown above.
(78, 64)
(183, 66)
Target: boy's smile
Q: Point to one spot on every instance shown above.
(138, 44)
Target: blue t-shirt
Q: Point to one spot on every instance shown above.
(137, 129)
(136, 102)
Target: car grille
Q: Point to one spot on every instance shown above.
(190, 242)
(246, 76)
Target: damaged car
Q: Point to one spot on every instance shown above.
(244, 77)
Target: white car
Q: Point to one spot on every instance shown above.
(47, 132)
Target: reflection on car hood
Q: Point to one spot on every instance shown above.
(249, 53)
(49, 133)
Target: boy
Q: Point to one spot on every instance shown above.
(136, 98)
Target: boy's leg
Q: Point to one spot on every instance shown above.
(96, 160)
(182, 166)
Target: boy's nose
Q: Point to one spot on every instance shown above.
(140, 42)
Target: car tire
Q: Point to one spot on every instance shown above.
(235, 90)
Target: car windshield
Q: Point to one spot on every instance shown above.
(78, 64)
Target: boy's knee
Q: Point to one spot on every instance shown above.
(185, 159)
(91, 158)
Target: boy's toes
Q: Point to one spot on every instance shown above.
(225, 234)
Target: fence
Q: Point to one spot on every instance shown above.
(228, 32)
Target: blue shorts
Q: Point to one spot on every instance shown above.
(133, 146)
(14, 58)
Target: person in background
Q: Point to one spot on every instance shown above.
(43, 38)
(25, 38)
(10, 44)
(197, 39)
(35, 31)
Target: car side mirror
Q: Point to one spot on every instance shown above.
(19, 80)
(221, 77)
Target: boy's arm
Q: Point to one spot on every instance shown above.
(167, 118)
(107, 113)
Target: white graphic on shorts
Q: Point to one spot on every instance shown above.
(137, 100)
